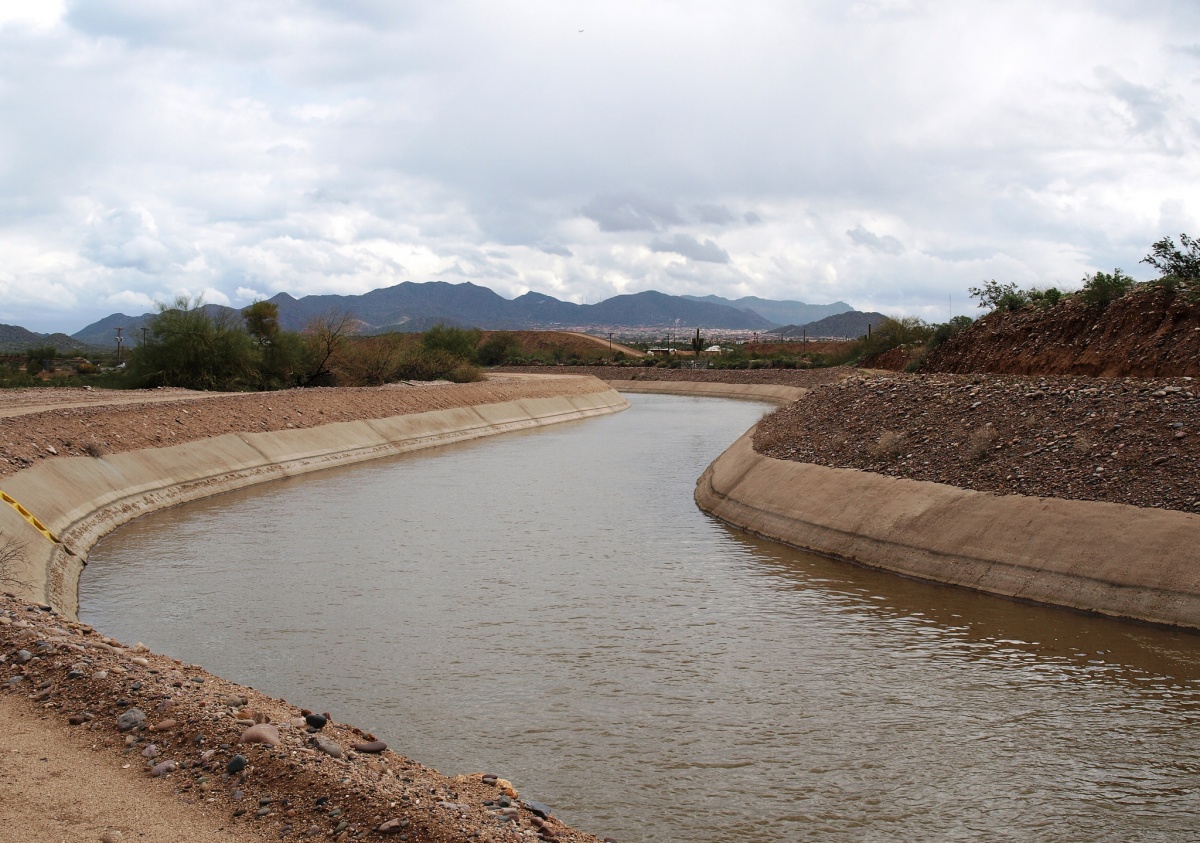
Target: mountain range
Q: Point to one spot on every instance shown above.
(418, 306)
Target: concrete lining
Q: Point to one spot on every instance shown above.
(775, 393)
(80, 499)
(1111, 559)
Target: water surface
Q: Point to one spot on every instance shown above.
(551, 605)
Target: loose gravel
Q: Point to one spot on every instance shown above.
(1128, 441)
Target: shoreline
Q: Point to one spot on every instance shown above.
(78, 499)
(194, 759)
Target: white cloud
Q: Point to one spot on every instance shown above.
(888, 152)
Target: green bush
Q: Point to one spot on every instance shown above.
(1172, 262)
(1103, 287)
(499, 348)
(460, 342)
(187, 347)
(1047, 297)
(946, 330)
(892, 333)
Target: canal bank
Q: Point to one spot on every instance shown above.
(1121, 561)
(59, 508)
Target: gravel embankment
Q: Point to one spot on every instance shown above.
(266, 768)
(1126, 441)
(125, 426)
(783, 377)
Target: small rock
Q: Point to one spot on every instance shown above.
(151, 751)
(100, 674)
(131, 719)
(236, 764)
(165, 726)
(141, 662)
(393, 826)
(164, 768)
(369, 746)
(329, 747)
(316, 721)
(110, 837)
(22, 656)
(261, 733)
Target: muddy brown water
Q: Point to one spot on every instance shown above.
(551, 605)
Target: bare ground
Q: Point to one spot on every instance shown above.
(95, 423)
(69, 772)
(1130, 441)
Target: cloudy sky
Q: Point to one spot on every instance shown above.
(890, 153)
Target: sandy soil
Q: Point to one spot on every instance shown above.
(20, 402)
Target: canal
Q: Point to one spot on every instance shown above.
(552, 606)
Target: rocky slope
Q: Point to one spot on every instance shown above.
(1149, 333)
(1129, 441)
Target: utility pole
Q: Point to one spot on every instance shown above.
(120, 340)
(610, 333)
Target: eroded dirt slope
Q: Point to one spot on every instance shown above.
(1147, 334)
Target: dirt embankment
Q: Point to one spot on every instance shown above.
(125, 426)
(1149, 333)
(1127, 441)
(783, 377)
(215, 757)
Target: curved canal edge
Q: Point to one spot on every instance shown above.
(1121, 561)
(1110, 559)
(80, 499)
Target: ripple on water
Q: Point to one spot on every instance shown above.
(553, 605)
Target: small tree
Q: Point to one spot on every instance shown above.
(187, 347)
(324, 337)
(1173, 262)
(996, 296)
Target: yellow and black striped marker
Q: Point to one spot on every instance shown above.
(28, 516)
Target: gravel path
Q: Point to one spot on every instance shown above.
(1127, 441)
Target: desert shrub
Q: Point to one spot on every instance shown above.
(888, 446)
(436, 364)
(499, 348)
(1104, 287)
(1047, 297)
(86, 368)
(980, 442)
(945, 330)
(12, 554)
(460, 342)
(996, 296)
(892, 333)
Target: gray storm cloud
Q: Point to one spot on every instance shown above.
(868, 151)
(691, 248)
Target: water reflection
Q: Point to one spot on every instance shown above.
(553, 605)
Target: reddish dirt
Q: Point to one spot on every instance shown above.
(129, 424)
(1146, 334)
